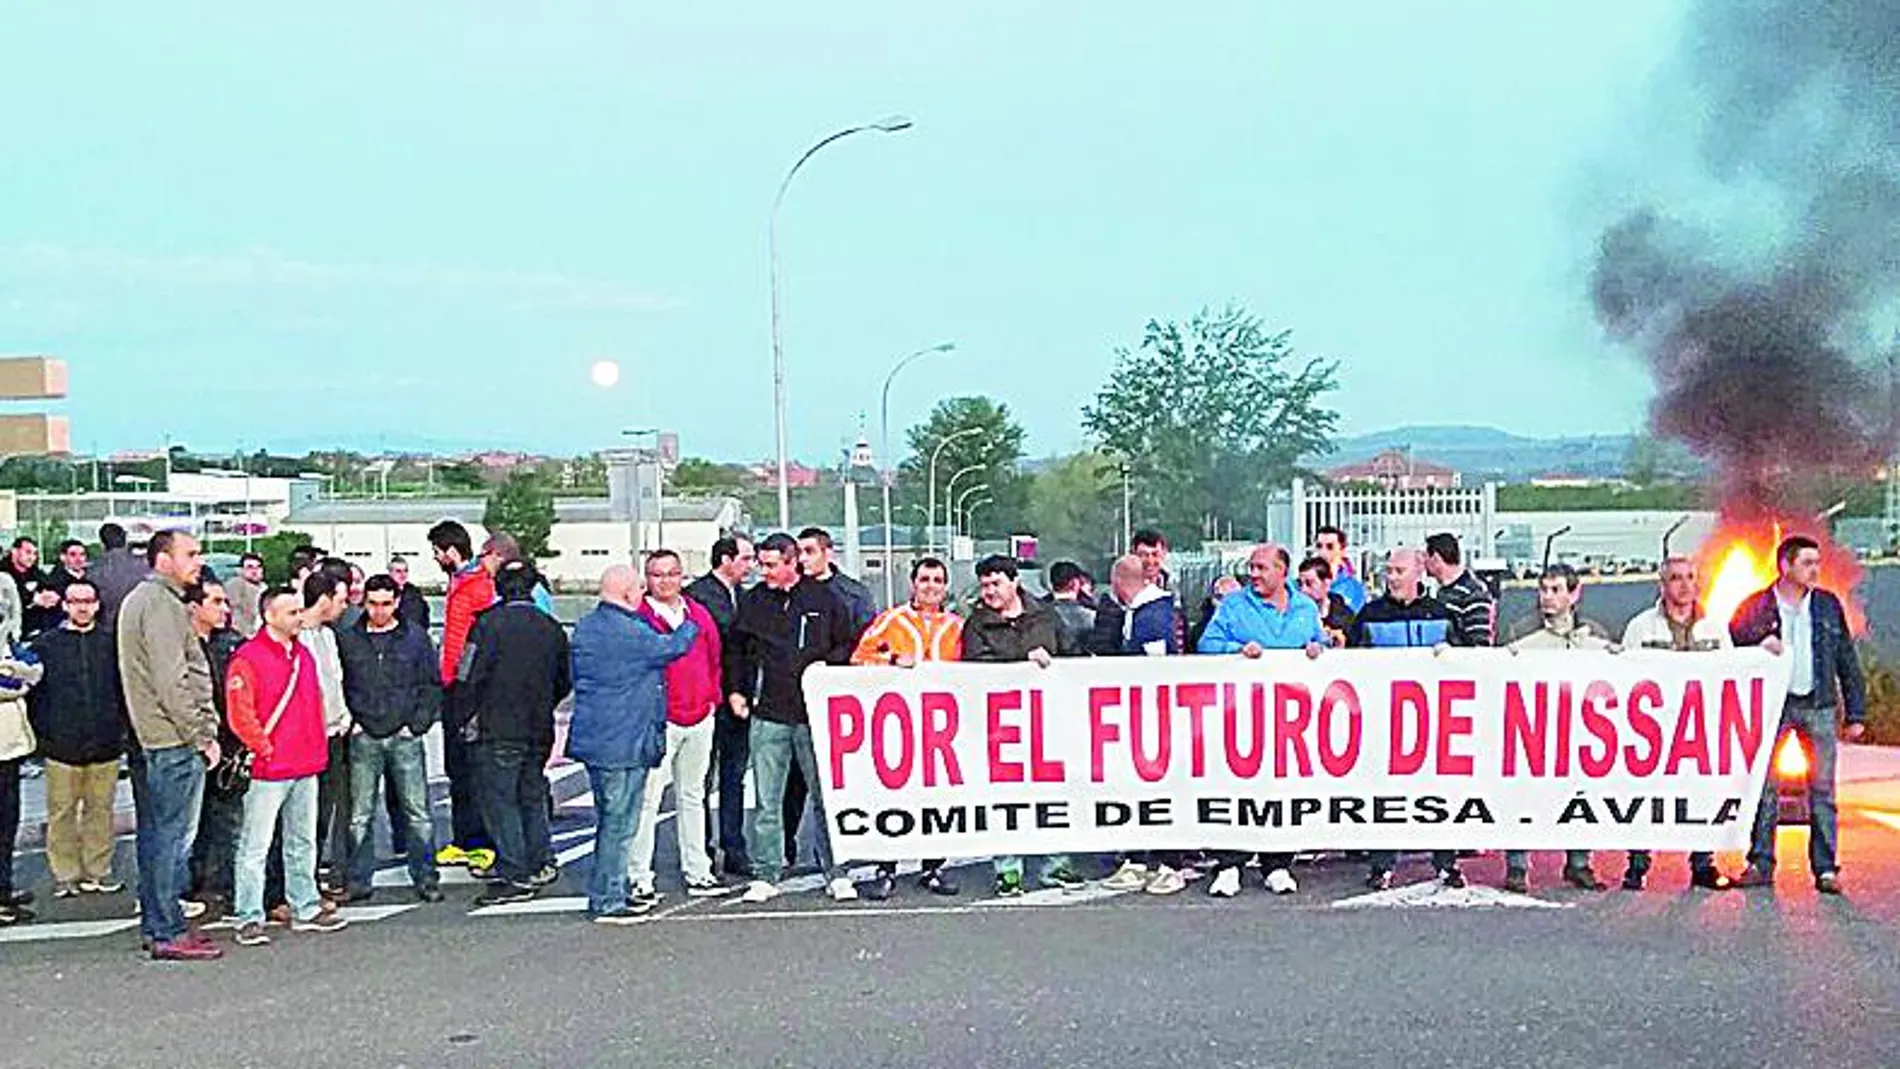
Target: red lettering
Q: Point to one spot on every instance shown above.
(1690, 742)
(1565, 706)
(1452, 724)
(846, 715)
(1598, 698)
(1524, 734)
(1339, 762)
(1741, 728)
(1244, 764)
(1292, 717)
(1409, 697)
(939, 737)
(1101, 732)
(1150, 766)
(891, 773)
(1644, 697)
(1196, 699)
(1041, 769)
(1002, 735)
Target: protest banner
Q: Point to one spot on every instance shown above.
(1353, 750)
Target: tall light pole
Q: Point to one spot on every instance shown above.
(949, 490)
(930, 510)
(637, 544)
(890, 125)
(890, 469)
(969, 511)
(968, 492)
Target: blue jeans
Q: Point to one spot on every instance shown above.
(775, 748)
(515, 802)
(294, 803)
(174, 783)
(1816, 726)
(617, 795)
(400, 762)
(1520, 860)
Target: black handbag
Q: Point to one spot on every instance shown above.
(232, 774)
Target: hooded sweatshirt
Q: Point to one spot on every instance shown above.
(1148, 624)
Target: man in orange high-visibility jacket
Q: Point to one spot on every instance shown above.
(905, 636)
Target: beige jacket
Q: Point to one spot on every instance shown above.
(163, 668)
(1564, 633)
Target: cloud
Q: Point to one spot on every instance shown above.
(271, 271)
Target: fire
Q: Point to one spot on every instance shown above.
(1738, 560)
(1791, 760)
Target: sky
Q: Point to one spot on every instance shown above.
(420, 224)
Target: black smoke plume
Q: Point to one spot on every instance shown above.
(1770, 337)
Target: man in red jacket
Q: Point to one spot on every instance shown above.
(274, 703)
(471, 591)
(693, 689)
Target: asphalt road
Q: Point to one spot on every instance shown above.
(1662, 977)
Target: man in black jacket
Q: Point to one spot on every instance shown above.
(78, 712)
(1796, 619)
(221, 813)
(819, 562)
(718, 591)
(39, 601)
(785, 625)
(514, 671)
(411, 607)
(392, 684)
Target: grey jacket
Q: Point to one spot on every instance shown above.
(163, 668)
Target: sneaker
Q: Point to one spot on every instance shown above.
(252, 935)
(484, 873)
(451, 856)
(759, 891)
(1281, 882)
(1828, 883)
(1064, 877)
(280, 916)
(706, 888)
(65, 890)
(505, 894)
(1584, 879)
(1166, 882)
(880, 889)
(1379, 880)
(1453, 877)
(1009, 885)
(1517, 882)
(644, 899)
(622, 917)
(1634, 879)
(16, 898)
(842, 890)
(186, 948)
(547, 877)
(101, 887)
(429, 893)
(326, 919)
(1755, 877)
(937, 883)
(480, 859)
(1710, 879)
(12, 915)
(1226, 882)
(1132, 876)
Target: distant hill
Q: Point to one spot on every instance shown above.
(1482, 453)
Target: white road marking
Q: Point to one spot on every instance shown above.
(1433, 895)
(365, 914)
(533, 907)
(31, 933)
(1881, 816)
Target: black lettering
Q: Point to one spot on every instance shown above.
(1474, 811)
(951, 821)
(1621, 815)
(1052, 814)
(1218, 811)
(1388, 810)
(854, 822)
(1012, 813)
(1305, 807)
(1262, 813)
(1578, 811)
(896, 823)
(1729, 812)
(1683, 816)
(1156, 812)
(1113, 815)
(1431, 810)
(1348, 809)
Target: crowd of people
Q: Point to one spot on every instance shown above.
(266, 726)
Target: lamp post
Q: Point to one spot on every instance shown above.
(968, 492)
(969, 511)
(930, 510)
(949, 489)
(890, 470)
(889, 125)
(635, 542)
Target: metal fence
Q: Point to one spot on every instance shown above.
(1376, 519)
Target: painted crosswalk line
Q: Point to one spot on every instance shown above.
(32, 933)
(1433, 895)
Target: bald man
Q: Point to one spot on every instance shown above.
(1137, 619)
(619, 728)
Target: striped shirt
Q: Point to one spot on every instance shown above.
(1472, 610)
(907, 631)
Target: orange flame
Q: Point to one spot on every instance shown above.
(1738, 560)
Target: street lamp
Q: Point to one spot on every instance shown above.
(930, 510)
(949, 489)
(889, 125)
(967, 493)
(969, 511)
(635, 543)
(890, 471)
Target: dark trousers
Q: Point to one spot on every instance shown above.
(794, 813)
(333, 809)
(465, 800)
(392, 807)
(9, 821)
(732, 755)
(514, 796)
(214, 852)
(1387, 860)
(1700, 861)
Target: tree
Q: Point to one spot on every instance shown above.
(995, 451)
(1210, 419)
(461, 475)
(699, 475)
(523, 506)
(1075, 509)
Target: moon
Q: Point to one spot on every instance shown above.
(605, 373)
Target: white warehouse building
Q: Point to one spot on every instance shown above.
(585, 539)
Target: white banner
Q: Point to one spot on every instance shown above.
(1357, 749)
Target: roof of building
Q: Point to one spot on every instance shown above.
(1388, 463)
(470, 509)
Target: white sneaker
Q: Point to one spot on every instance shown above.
(1166, 882)
(1281, 882)
(1226, 883)
(191, 909)
(1132, 876)
(842, 890)
(759, 891)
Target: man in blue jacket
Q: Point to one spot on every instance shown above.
(1795, 618)
(1268, 615)
(619, 728)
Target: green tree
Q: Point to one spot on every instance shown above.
(699, 475)
(1075, 509)
(995, 451)
(275, 549)
(523, 506)
(461, 475)
(1211, 418)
